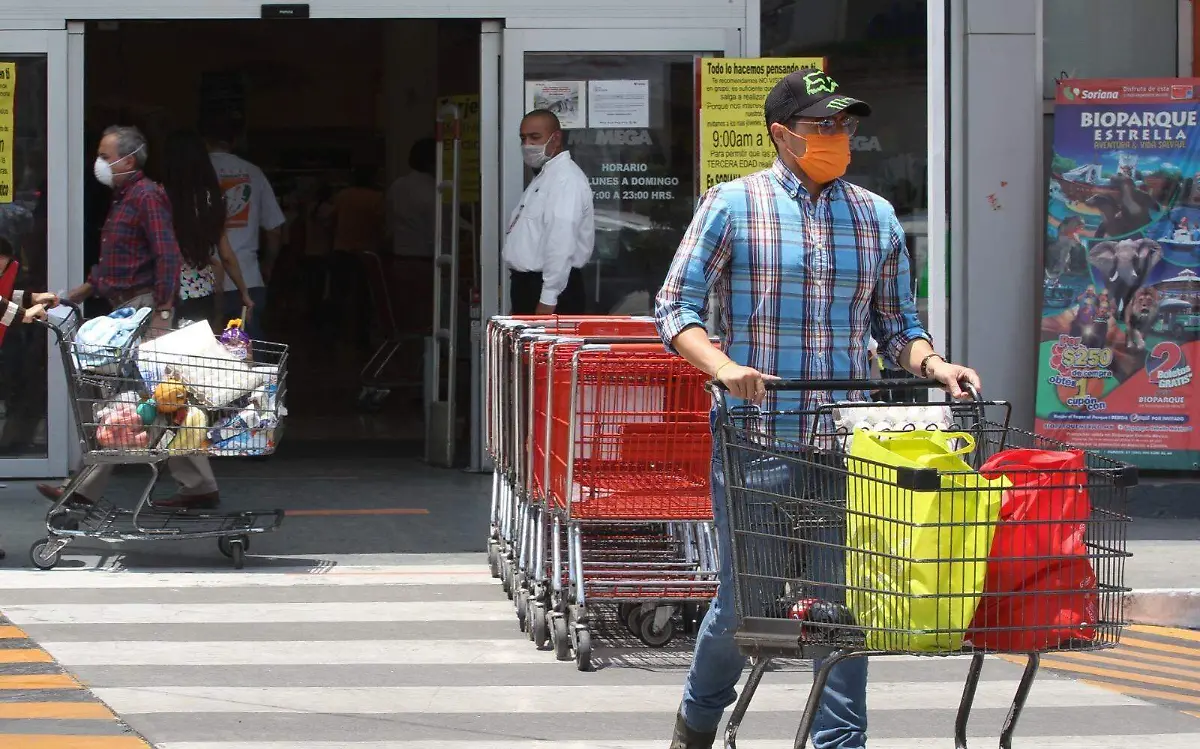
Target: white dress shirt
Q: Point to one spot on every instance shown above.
(553, 229)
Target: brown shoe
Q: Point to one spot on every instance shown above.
(686, 738)
(191, 502)
(54, 493)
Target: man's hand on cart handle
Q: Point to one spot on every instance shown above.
(47, 299)
(36, 312)
(80, 293)
(953, 377)
(743, 382)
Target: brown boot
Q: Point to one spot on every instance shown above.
(686, 738)
(54, 493)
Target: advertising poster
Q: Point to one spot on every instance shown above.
(1121, 311)
(8, 98)
(566, 99)
(733, 134)
(468, 110)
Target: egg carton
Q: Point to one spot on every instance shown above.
(849, 417)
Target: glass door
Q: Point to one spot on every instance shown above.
(627, 101)
(33, 178)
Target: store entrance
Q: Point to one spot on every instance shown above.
(339, 116)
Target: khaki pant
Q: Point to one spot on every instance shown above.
(194, 473)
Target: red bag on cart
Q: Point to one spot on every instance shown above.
(1039, 581)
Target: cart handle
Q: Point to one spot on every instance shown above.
(848, 384)
(75, 310)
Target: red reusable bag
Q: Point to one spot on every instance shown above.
(1039, 579)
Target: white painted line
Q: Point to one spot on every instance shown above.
(560, 699)
(324, 653)
(394, 575)
(261, 613)
(1159, 741)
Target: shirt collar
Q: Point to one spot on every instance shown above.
(561, 158)
(794, 187)
(135, 177)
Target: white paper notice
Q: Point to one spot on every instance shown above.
(567, 99)
(619, 103)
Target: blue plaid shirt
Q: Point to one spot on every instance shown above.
(802, 285)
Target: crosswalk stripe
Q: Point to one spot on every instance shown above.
(32, 741)
(1179, 634)
(1138, 643)
(309, 683)
(1085, 658)
(1139, 692)
(1159, 741)
(1078, 668)
(38, 681)
(24, 655)
(262, 613)
(554, 699)
(54, 711)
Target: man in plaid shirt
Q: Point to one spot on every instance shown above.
(807, 268)
(139, 267)
(139, 257)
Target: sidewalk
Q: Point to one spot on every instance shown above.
(1165, 541)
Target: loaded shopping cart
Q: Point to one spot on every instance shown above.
(144, 401)
(862, 530)
(602, 449)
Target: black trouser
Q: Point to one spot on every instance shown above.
(525, 289)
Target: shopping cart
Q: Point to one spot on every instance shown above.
(396, 335)
(626, 457)
(825, 543)
(135, 404)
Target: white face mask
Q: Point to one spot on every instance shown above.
(534, 156)
(103, 170)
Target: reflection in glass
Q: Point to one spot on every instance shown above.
(23, 240)
(643, 178)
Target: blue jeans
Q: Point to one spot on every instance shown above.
(233, 308)
(841, 720)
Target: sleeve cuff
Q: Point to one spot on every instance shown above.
(894, 346)
(550, 299)
(19, 299)
(674, 323)
(12, 314)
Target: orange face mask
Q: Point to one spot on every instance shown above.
(825, 158)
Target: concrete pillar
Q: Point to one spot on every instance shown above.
(998, 211)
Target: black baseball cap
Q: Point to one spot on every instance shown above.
(809, 93)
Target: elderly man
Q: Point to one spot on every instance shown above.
(807, 268)
(552, 232)
(139, 267)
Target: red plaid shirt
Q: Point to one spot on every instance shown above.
(137, 244)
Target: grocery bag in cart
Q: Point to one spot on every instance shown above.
(916, 560)
(1041, 588)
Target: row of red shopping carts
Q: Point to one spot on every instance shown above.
(602, 450)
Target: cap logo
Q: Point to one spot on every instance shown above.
(839, 103)
(818, 82)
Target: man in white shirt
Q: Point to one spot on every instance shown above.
(552, 232)
(250, 205)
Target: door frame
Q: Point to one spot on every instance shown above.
(52, 43)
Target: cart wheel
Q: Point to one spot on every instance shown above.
(583, 649)
(623, 610)
(237, 552)
(40, 558)
(538, 630)
(494, 559)
(633, 620)
(506, 578)
(656, 638)
(522, 600)
(561, 638)
(224, 544)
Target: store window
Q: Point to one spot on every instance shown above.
(878, 51)
(633, 133)
(23, 356)
(1077, 40)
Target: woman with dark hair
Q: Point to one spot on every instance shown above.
(198, 211)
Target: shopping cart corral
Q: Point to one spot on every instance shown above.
(142, 402)
(602, 450)
(867, 530)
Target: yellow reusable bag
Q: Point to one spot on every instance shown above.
(916, 560)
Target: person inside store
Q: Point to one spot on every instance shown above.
(140, 265)
(807, 269)
(411, 204)
(552, 231)
(359, 219)
(198, 216)
(250, 207)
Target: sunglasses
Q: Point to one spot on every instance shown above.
(827, 126)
